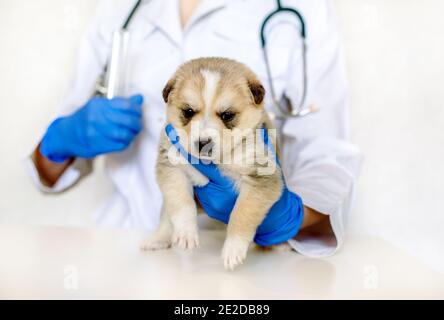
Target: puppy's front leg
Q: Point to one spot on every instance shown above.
(179, 206)
(161, 238)
(252, 205)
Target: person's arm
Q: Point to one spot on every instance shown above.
(314, 220)
(49, 176)
(49, 172)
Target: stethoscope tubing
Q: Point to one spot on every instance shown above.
(282, 112)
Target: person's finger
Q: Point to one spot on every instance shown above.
(136, 103)
(131, 105)
(137, 99)
(269, 144)
(119, 134)
(125, 119)
(114, 146)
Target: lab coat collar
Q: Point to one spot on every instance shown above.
(164, 14)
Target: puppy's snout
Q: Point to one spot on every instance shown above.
(205, 145)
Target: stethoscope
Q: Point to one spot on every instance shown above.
(284, 108)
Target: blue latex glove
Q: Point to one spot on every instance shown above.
(219, 196)
(101, 126)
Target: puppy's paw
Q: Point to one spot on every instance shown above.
(153, 243)
(186, 238)
(234, 252)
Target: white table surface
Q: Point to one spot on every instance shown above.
(70, 263)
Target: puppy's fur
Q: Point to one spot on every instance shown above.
(222, 98)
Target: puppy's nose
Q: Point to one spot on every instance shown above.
(205, 144)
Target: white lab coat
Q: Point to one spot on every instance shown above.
(319, 163)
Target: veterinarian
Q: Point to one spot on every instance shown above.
(319, 162)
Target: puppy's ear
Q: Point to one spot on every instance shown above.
(167, 90)
(257, 91)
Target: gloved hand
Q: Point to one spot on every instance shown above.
(101, 126)
(219, 196)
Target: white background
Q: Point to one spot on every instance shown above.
(395, 52)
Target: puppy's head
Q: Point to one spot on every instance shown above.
(211, 102)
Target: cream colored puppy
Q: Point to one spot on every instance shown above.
(215, 105)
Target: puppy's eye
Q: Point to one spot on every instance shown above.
(188, 113)
(227, 116)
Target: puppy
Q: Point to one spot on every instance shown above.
(216, 106)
